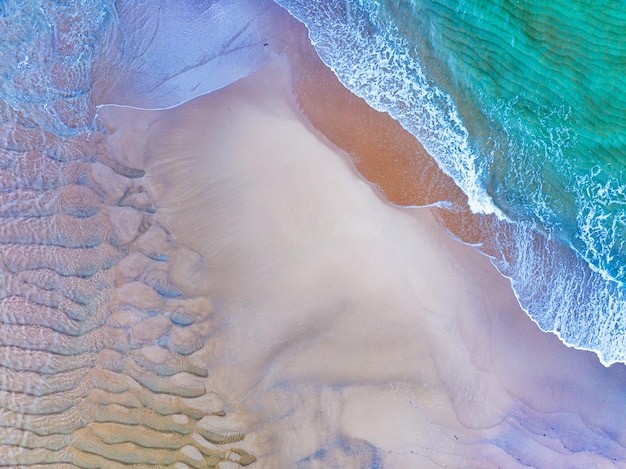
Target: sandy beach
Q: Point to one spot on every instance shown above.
(213, 255)
(346, 332)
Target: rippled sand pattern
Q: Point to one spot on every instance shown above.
(96, 337)
(99, 333)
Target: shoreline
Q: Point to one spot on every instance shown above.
(600, 298)
(396, 166)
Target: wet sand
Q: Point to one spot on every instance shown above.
(346, 332)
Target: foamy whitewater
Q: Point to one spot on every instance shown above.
(512, 150)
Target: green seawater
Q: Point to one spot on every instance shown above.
(541, 89)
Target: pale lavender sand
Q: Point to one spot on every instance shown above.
(346, 332)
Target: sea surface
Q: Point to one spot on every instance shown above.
(523, 104)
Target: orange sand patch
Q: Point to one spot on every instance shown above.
(382, 151)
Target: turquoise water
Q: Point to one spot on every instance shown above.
(524, 106)
(540, 87)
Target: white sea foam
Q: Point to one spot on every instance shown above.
(563, 295)
(389, 77)
(602, 223)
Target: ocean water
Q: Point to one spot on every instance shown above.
(524, 106)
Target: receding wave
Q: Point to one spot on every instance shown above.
(390, 78)
(99, 366)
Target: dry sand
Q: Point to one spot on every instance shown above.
(347, 332)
